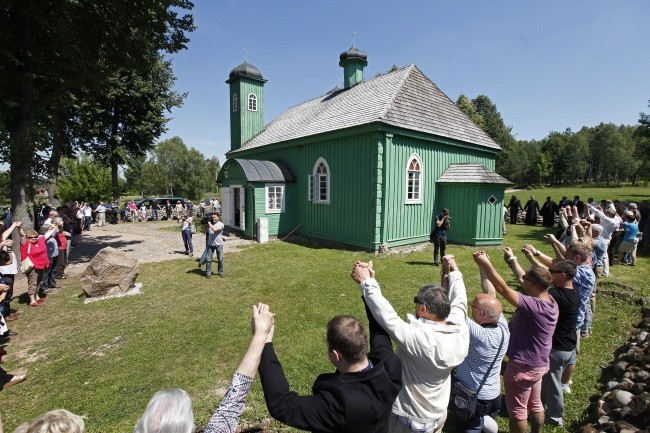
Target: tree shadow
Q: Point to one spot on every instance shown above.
(86, 248)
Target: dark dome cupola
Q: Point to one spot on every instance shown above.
(352, 61)
(245, 70)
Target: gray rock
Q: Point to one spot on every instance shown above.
(620, 367)
(621, 398)
(643, 375)
(603, 420)
(641, 336)
(611, 385)
(110, 272)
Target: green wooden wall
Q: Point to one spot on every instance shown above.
(474, 220)
(279, 223)
(349, 216)
(412, 223)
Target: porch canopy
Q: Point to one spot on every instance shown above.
(258, 171)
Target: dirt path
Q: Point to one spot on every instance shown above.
(148, 241)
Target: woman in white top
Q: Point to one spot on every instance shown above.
(186, 232)
(8, 271)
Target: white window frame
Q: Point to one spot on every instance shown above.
(252, 102)
(317, 178)
(235, 103)
(267, 189)
(414, 181)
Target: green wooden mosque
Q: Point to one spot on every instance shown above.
(368, 165)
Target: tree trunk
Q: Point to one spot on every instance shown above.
(21, 148)
(55, 161)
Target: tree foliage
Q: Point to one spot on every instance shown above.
(63, 56)
(84, 179)
(173, 169)
(606, 153)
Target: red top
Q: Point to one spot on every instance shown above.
(37, 253)
(61, 241)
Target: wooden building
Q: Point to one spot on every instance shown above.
(367, 165)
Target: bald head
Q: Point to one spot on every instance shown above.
(486, 309)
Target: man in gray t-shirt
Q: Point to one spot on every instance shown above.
(215, 244)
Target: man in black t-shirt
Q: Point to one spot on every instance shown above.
(565, 336)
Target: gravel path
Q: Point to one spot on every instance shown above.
(148, 241)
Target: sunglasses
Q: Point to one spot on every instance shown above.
(32, 237)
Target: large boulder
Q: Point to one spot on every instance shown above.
(110, 272)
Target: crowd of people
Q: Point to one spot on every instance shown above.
(448, 352)
(621, 224)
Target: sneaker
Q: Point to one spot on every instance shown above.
(221, 274)
(436, 263)
(566, 388)
(208, 276)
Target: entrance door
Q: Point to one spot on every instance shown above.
(235, 207)
(238, 210)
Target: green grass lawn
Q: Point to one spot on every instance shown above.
(622, 193)
(106, 359)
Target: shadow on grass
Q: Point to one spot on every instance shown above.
(419, 263)
(536, 232)
(319, 243)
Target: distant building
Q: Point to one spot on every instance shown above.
(367, 165)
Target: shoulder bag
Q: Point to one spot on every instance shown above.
(462, 401)
(27, 265)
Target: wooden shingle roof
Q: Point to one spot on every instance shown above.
(471, 173)
(404, 98)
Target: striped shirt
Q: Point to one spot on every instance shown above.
(483, 346)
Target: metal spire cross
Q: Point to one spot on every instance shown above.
(354, 38)
(245, 55)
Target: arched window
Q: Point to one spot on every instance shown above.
(320, 185)
(235, 103)
(414, 180)
(252, 102)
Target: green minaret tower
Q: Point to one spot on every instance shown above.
(352, 61)
(246, 104)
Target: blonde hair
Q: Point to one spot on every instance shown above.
(31, 233)
(54, 421)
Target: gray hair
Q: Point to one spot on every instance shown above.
(54, 421)
(168, 411)
(436, 300)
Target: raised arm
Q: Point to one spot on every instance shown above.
(558, 247)
(513, 263)
(536, 257)
(510, 295)
(7, 233)
(486, 284)
(226, 417)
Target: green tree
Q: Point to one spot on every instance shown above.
(641, 137)
(84, 179)
(61, 53)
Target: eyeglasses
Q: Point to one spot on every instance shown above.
(555, 271)
(32, 237)
(480, 309)
(525, 277)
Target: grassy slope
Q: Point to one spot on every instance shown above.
(106, 359)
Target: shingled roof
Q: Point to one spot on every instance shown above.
(471, 173)
(404, 98)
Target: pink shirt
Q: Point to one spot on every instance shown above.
(37, 253)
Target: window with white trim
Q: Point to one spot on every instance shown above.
(320, 183)
(252, 102)
(235, 103)
(274, 198)
(414, 180)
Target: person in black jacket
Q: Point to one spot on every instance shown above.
(357, 397)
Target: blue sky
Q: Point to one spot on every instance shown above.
(547, 65)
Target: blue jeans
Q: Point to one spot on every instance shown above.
(187, 241)
(49, 280)
(211, 250)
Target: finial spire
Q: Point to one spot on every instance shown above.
(245, 55)
(354, 37)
